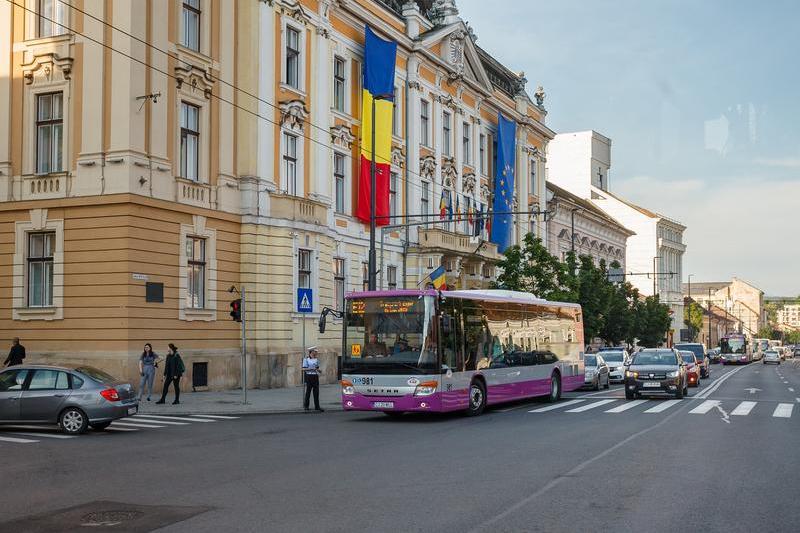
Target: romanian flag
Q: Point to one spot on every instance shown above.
(442, 207)
(379, 65)
(458, 208)
(438, 278)
(469, 211)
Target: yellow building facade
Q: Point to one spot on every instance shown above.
(155, 153)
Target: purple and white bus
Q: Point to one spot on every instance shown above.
(425, 351)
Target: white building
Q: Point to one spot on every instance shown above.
(789, 315)
(581, 162)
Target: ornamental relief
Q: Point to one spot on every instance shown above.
(485, 193)
(45, 66)
(398, 156)
(427, 167)
(293, 114)
(342, 137)
(292, 9)
(449, 172)
(468, 183)
(190, 79)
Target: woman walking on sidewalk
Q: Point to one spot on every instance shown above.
(147, 369)
(173, 370)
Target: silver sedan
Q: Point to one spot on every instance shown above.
(75, 398)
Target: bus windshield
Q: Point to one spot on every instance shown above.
(390, 335)
(732, 345)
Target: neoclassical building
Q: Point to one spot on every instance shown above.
(156, 153)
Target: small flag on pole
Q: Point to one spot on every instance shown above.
(438, 278)
(442, 207)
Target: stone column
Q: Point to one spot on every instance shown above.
(322, 158)
(268, 72)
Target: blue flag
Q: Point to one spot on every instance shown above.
(502, 224)
(379, 65)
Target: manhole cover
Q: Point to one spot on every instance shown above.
(109, 518)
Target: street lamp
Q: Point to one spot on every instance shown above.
(655, 275)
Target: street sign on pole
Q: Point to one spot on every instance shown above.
(305, 301)
(616, 275)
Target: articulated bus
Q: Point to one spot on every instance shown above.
(429, 351)
(735, 349)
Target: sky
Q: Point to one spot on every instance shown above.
(701, 99)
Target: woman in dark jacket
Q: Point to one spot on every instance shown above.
(173, 370)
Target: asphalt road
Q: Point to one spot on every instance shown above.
(723, 459)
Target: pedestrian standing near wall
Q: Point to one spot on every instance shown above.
(147, 369)
(311, 375)
(173, 370)
(16, 354)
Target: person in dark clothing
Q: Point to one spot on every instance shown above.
(311, 375)
(173, 370)
(16, 354)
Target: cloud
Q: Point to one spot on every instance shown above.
(781, 162)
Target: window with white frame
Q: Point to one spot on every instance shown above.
(49, 132)
(482, 152)
(533, 190)
(290, 162)
(195, 272)
(393, 181)
(339, 83)
(41, 247)
(339, 180)
(190, 141)
(391, 277)
(292, 75)
(425, 122)
(424, 200)
(466, 141)
(304, 269)
(447, 137)
(365, 276)
(51, 20)
(191, 25)
(338, 283)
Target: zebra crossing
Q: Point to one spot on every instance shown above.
(29, 434)
(728, 408)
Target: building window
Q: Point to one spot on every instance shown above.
(446, 133)
(196, 272)
(425, 197)
(41, 247)
(466, 142)
(304, 269)
(533, 178)
(51, 18)
(338, 283)
(292, 58)
(365, 276)
(482, 152)
(487, 271)
(339, 83)
(190, 141)
(393, 178)
(391, 277)
(424, 119)
(290, 162)
(49, 132)
(191, 24)
(396, 113)
(338, 177)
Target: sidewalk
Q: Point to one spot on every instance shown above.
(259, 401)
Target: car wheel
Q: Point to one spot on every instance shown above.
(477, 398)
(100, 426)
(555, 388)
(73, 421)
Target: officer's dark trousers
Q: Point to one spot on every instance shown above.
(312, 384)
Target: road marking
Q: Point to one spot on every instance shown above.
(663, 406)
(218, 416)
(716, 384)
(556, 406)
(148, 420)
(704, 407)
(625, 406)
(590, 406)
(784, 410)
(185, 419)
(131, 424)
(743, 409)
(791, 389)
(45, 435)
(112, 428)
(21, 441)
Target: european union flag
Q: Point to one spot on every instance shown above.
(502, 224)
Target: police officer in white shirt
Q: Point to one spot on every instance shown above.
(311, 375)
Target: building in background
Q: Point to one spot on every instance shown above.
(789, 315)
(716, 323)
(738, 299)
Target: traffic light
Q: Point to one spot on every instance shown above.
(236, 310)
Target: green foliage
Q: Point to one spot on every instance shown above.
(654, 322)
(693, 318)
(532, 269)
(793, 337)
(766, 332)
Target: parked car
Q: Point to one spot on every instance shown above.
(692, 367)
(715, 355)
(74, 397)
(703, 361)
(658, 372)
(772, 356)
(616, 361)
(595, 372)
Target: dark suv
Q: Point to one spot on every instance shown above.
(699, 351)
(657, 372)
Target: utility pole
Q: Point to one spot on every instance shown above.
(373, 181)
(709, 318)
(655, 275)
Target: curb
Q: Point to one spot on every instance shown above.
(239, 412)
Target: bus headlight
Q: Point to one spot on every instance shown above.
(347, 388)
(426, 388)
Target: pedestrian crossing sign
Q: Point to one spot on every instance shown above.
(305, 301)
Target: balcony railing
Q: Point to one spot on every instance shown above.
(455, 242)
(290, 207)
(193, 193)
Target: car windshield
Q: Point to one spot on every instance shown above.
(613, 357)
(772, 352)
(590, 360)
(662, 357)
(96, 374)
(696, 349)
(687, 357)
(733, 345)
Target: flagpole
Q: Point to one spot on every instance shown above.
(372, 180)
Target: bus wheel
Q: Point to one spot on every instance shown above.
(477, 398)
(555, 389)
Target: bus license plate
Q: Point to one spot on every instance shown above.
(383, 405)
(652, 384)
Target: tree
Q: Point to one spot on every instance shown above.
(793, 337)
(621, 318)
(654, 322)
(766, 332)
(531, 268)
(693, 318)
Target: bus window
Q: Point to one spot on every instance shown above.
(452, 352)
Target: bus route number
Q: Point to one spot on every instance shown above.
(363, 381)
